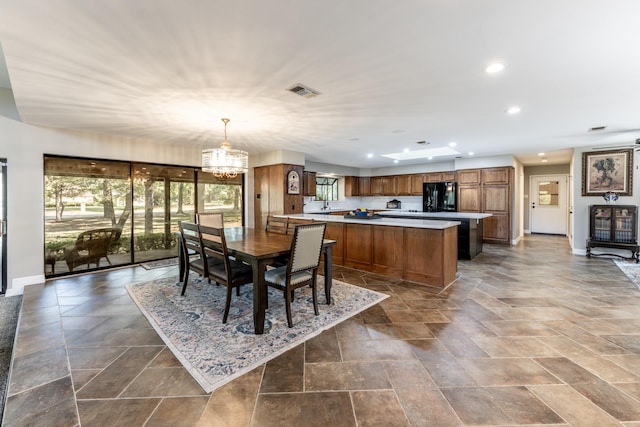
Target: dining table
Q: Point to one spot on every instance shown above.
(260, 248)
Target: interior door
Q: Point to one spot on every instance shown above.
(3, 224)
(548, 210)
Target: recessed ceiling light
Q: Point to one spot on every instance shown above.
(406, 150)
(452, 144)
(396, 161)
(430, 158)
(369, 155)
(513, 110)
(471, 153)
(495, 67)
(540, 154)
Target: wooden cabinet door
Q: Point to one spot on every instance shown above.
(497, 228)
(309, 183)
(359, 251)
(376, 186)
(416, 184)
(469, 198)
(402, 185)
(468, 177)
(496, 198)
(351, 186)
(364, 185)
(496, 175)
(389, 185)
(335, 231)
(449, 176)
(434, 177)
(388, 250)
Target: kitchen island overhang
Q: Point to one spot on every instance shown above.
(419, 251)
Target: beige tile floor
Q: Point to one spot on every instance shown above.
(528, 335)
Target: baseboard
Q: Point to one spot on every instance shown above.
(18, 284)
(579, 251)
(516, 240)
(526, 231)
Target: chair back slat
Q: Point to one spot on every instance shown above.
(277, 224)
(214, 244)
(190, 237)
(291, 225)
(306, 246)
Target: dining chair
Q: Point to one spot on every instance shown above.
(291, 225)
(223, 269)
(277, 224)
(210, 219)
(302, 268)
(192, 244)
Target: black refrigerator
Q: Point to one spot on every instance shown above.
(440, 197)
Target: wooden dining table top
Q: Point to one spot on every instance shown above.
(258, 242)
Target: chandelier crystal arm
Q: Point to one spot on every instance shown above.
(225, 162)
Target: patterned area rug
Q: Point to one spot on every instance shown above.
(214, 353)
(169, 262)
(631, 269)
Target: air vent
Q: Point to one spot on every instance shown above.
(597, 128)
(302, 90)
(422, 142)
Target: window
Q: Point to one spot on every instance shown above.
(326, 189)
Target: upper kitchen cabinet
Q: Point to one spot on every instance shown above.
(496, 176)
(376, 186)
(417, 182)
(434, 177)
(389, 184)
(309, 183)
(449, 176)
(351, 186)
(469, 176)
(403, 183)
(364, 186)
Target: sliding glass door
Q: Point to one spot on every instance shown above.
(162, 197)
(101, 213)
(87, 214)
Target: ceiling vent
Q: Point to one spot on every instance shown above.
(597, 128)
(302, 90)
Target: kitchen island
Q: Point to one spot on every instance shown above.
(418, 250)
(469, 232)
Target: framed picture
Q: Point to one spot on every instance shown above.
(293, 183)
(604, 171)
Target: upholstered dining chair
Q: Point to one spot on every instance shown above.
(277, 224)
(302, 268)
(192, 245)
(223, 269)
(293, 221)
(210, 219)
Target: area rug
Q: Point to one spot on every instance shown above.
(631, 269)
(216, 353)
(169, 262)
(9, 314)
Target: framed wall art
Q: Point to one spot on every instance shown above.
(293, 183)
(604, 171)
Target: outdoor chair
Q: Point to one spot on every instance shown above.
(302, 268)
(90, 247)
(223, 269)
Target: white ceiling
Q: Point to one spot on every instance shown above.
(389, 74)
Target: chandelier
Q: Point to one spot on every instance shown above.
(225, 162)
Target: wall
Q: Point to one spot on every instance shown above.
(530, 171)
(581, 203)
(23, 146)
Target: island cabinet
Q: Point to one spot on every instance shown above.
(335, 231)
(430, 255)
(358, 251)
(389, 261)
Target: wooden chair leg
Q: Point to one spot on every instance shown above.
(227, 304)
(287, 297)
(184, 284)
(314, 285)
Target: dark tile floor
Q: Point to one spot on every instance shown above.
(527, 335)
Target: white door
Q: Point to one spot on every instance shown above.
(548, 210)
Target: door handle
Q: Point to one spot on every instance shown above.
(1, 228)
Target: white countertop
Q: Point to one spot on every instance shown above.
(443, 215)
(394, 222)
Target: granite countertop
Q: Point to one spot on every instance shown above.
(393, 222)
(443, 215)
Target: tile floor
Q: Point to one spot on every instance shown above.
(528, 335)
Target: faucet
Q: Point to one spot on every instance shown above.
(326, 205)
